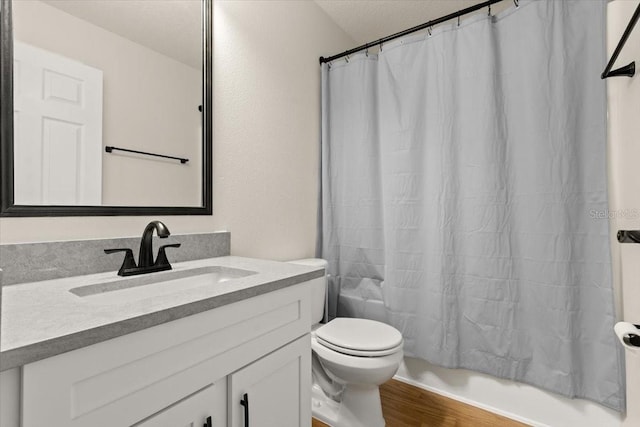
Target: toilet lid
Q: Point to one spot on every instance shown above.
(360, 335)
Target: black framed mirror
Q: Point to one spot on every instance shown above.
(118, 164)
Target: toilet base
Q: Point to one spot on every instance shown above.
(323, 408)
(360, 407)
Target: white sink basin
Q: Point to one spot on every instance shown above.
(155, 284)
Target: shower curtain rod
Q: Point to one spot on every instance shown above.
(413, 30)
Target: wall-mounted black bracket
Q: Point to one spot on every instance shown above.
(628, 236)
(626, 71)
(630, 69)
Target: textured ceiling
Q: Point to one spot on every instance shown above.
(170, 27)
(369, 20)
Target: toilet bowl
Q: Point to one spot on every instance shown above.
(350, 359)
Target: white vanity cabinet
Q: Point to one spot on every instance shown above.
(184, 371)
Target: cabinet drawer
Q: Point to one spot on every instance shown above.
(124, 380)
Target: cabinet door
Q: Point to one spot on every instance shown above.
(274, 391)
(206, 407)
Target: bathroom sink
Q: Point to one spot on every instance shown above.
(156, 284)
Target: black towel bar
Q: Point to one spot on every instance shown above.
(109, 149)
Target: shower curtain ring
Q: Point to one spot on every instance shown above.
(429, 31)
(489, 14)
(346, 58)
(380, 47)
(517, 3)
(458, 20)
(366, 52)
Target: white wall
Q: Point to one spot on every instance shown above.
(266, 143)
(150, 103)
(266, 125)
(624, 153)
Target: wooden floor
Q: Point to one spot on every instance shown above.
(406, 405)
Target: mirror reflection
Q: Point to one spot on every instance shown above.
(89, 75)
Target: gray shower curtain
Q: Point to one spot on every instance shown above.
(460, 176)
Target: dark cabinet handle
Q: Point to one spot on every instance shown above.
(245, 402)
(209, 423)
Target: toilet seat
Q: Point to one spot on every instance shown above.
(359, 337)
(359, 353)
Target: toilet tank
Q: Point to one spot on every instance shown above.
(318, 288)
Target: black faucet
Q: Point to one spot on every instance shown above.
(145, 257)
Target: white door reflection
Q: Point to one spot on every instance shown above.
(58, 129)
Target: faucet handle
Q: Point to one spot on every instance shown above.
(161, 259)
(128, 263)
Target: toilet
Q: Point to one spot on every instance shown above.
(350, 359)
